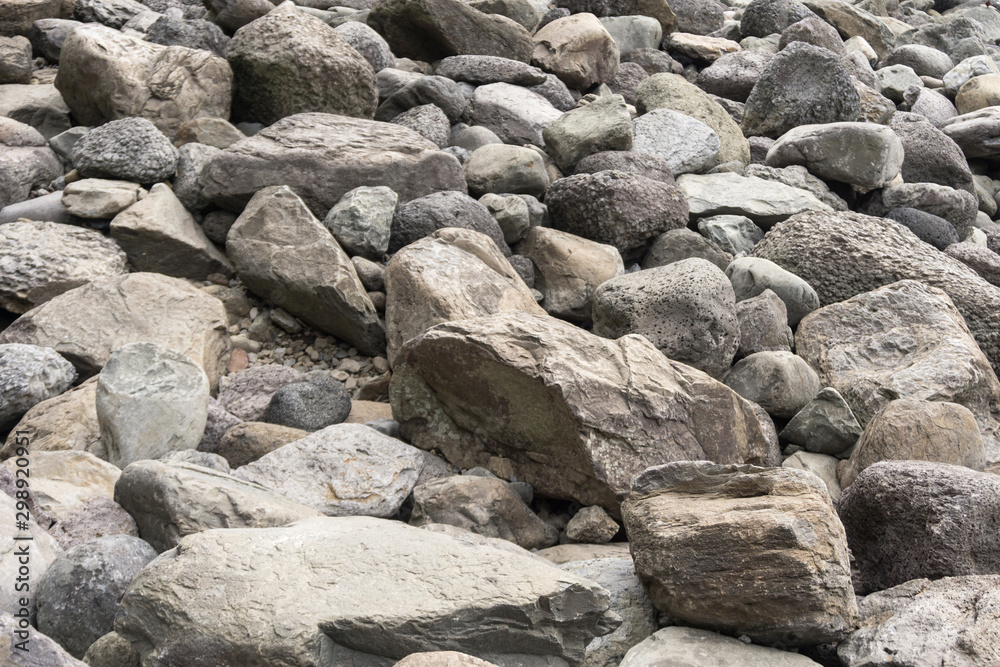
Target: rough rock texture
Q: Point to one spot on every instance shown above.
(29, 374)
(752, 276)
(715, 546)
(780, 382)
(130, 149)
(43, 651)
(675, 646)
(171, 500)
(248, 441)
(64, 481)
(763, 321)
(248, 393)
(341, 470)
(528, 401)
(687, 144)
(310, 405)
(603, 125)
(284, 254)
(577, 49)
(453, 274)
(336, 603)
(824, 425)
(846, 254)
(322, 156)
(763, 202)
(105, 75)
(515, 114)
(42, 550)
(687, 309)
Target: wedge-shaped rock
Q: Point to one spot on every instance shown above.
(917, 347)
(66, 421)
(578, 416)
(88, 323)
(742, 550)
(356, 590)
(341, 470)
(171, 500)
(284, 254)
(64, 481)
(453, 274)
(764, 202)
(106, 75)
(322, 157)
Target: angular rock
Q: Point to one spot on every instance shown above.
(687, 145)
(825, 425)
(577, 49)
(604, 125)
(64, 481)
(100, 199)
(444, 93)
(823, 466)
(930, 155)
(593, 525)
(29, 374)
(976, 133)
(764, 202)
(42, 650)
(515, 114)
(501, 168)
(368, 43)
(688, 646)
(525, 363)
(679, 244)
(284, 254)
(751, 276)
(17, 16)
(797, 177)
(763, 325)
(362, 219)
(481, 70)
(248, 393)
(735, 234)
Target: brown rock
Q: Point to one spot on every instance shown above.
(578, 50)
(247, 442)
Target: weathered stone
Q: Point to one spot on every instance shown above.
(766, 17)
(577, 49)
(248, 393)
(768, 581)
(976, 133)
(764, 202)
(481, 70)
(983, 261)
(29, 374)
(66, 421)
(687, 144)
(658, 9)
(42, 650)
(248, 441)
(24, 167)
(312, 405)
(64, 481)
(442, 659)
(442, 92)
(111, 650)
(735, 234)
(42, 550)
(824, 425)
(362, 219)
(823, 466)
(215, 132)
(284, 254)
(930, 155)
(750, 276)
(780, 382)
(131, 149)
(419, 218)
(604, 125)
(593, 525)
(502, 168)
(38, 105)
(17, 16)
(679, 244)
(15, 60)
(368, 43)
(700, 47)
(928, 227)
(851, 20)
(97, 198)
(763, 325)
(194, 34)
(796, 176)
(689, 646)
(522, 363)
(427, 120)
(515, 114)
(638, 164)
(632, 33)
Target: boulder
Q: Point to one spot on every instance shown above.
(714, 547)
(453, 274)
(825, 425)
(928, 227)
(38, 105)
(638, 164)
(687, 144)
(603, 125)
(687, 309)
(368, 43)
(30, 374)
(26, 163)
(248, 441)
(515, 114)
(421, 217)
(64, 481)
(309, 406)
(733, 75)
(442, 659)
(362, 219)
(658, 9)
(482, 70)
(679, 244)
(592, 525)
(763, 202)
(976, 133)
(763, 325)
(329, 610)
(823, 466)
(322, 157)
(130, 149)
(99, 198)
(42, 650)
(247, 393)
(931, 156)
(505, 169)
(41, 549)
(780, 382)
(17, 16)
(751, 276)
(982, 260)
(766, 17)
(66, 421)
(558, 439)
(689, 646)
(734, 234)
(577, 49)
(285, 255)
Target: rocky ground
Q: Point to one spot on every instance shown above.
(456, 333)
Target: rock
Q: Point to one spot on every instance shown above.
(983, 261)
(976, 133)
(716, 531)
(593, 525)
(763, 202)
(442, 659)
(923, 60)
(816, 31)
(671, 91)
(322, 157)
(483, 505)
(106, 75)
(42, 650)
(65, 421)
(927, 227)
(879, 252)
(78, 595)
(638, 164)
(18, 15)
(195, 34)
(910, 429)
(41, 550)
(150, 401)
(48, 34)
(780, 382)
(766, 17)
(515, 114)
(956, 206)
(132, 149)
(524, 358)
(632, 33)
(248, 441)
(46, 208)
(895, 80)
(15, 60)
(29, 374)
(568, 269)
(751, 276)
(112, 13)
(453, 274)
(658, 9)
(437, 90)
(945, 621)
(688, 646)
(733, 75)
(686, 309)
(604, 125)
(63, 481)
(577, 49)
(40, 106)
(214, 132)
(481, 70)
(799, 177)
(429, 30)
(172, 500)
(734, 234)
(511, 214)
(501, 168)
(309, 406)
(42, 260)
(680, 244)
(248, 393)
(368, 43)
(687, 145)
(26, 163)
(195, 457)
(930, 155)
(615, 207)
(699, 47)
(933, 106)
(283, 253)
(825, 425)
(341, 470)
(98, 198)
(851, 21)
(907, 520)
(763, 325)
(804, 84)
(978, 93)
(362, 219)
(864, 155)
(429, 121)
(111, 650)
(823, 466)
(572, 553)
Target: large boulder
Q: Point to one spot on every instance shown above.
(105, 75)
(603, 125)
(780, 382)
(62, 482)
(430, 30)
(517, 115)
(88, 323)
(564, 428)
(284, 254)
(66, 421)
(341, 600)
(578, 50)
(130, 149)
(453, 274)
(415, 219)
(17, 16)
(845, 254)
(687, 309)
(288, 62)
(715, 547)
(752, 276)
(322, 157)
(658, 9)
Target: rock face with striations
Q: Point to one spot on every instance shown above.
(574, 435)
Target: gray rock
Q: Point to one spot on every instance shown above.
(687, 309)
(483, 505)
(482, 70)
(515, 114)
(699, 18)
(172, 500)
(40, 106)
(604, 125)
(42, 260)
(894, 80)
(680, 244)
(111, 650)
(750, 276)
(362, 219)
(707, 538)
(763, 325)
(658, 9)
(341, 470)
(983, 261)
(100, 199)
(928, 227)
(289, 62)
(556, 92)
(188, 186)
(804, 84)
(627, 81)
(511, 213)
(309, 406)
(42, 549)
(923, 60)
(29, 374)
(427, 120)
(284, 254)
(248, 393)
(437, 90)
(924, 623)
(932, 105)
(632, 33)
(335, 561)
(958, 207)
(26, 163)
(766, 17)
(47, 208)
(197, 458)
(592, 525)
(132, 149)
(778, 381)
(194, 34)
(687, 144)
(48, 34)
(823, 466)
(736, 234)
(416, 219)
(764, 202)
(15, 60)
(796, 176)
(150, 401)
(503, 168)
(689, 646)
(976, 133)
(638, 164)
(578, 50)
(930, 155)
(78, 595)
(368, 43)
(815, 31)
(472, 137)
(41, 649)
(734, 74)
(112, 13)
(436, 408)
(825, 425)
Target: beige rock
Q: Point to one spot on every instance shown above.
(821, 465)
(64, 422)
(17, 16)
(442, 659)
(569, 553)
(100, 198)
(63, 481)
(701, 47)
(247, 442)
(42, 550)
(215, 132)
(978, 93)
(578, 50)
(366, 411)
